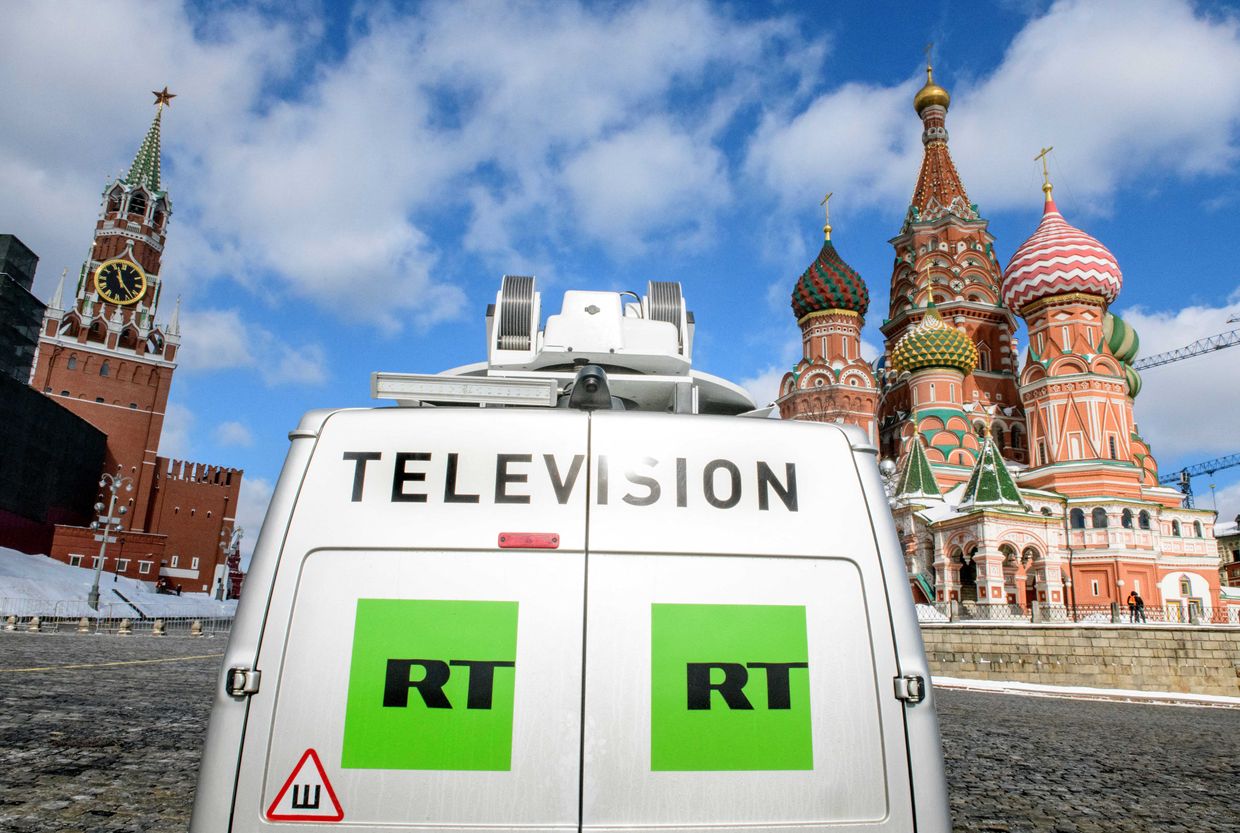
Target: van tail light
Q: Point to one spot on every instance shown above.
(529, 540)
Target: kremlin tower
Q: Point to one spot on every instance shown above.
(104, 354)
(1013, 486)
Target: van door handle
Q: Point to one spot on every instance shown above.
(242, 682)
(911, 689)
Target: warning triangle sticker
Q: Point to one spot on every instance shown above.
(307, 795)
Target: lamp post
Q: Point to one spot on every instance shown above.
(106, 524)
(230, 543)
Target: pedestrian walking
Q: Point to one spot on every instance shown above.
(1140, 606)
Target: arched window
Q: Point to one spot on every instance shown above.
(1029, 556)
(1018, 437)
(1175, 528)
(96, 332)
(1186, 587)
(137, 205)
(1197, 529)
(1099, 518)
(996, 431)
(1077, 518)
(105, 368)
(1143, 520)
(114, 202)
(1125, 519)
(72, 363)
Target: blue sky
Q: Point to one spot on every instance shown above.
(350, 181)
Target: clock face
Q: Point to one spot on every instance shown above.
(120, 281)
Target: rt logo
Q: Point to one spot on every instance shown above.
(732, 685)
(716, 714)
(411, 705)
(435, 675)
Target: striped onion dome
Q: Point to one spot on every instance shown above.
(933, 343)
(1120, 337)
(1133, 378)
(829, 283)
(1057, 259)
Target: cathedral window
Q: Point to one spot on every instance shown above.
(983, 357)
(932, 396)
(1077, 518)
(1186, 587)
(64, 393)
(1041, 452)
(1175, 528)
(105, 368)
(1018, 440)
(1099, 518)
(133, 406)
(72, 363)
(193, 563)
(1114, 450)
(1125, 519)
(1041, 344)
(1143, 519)
(99, 399)
(1067, 339)
(175, 559)
(1197, 531)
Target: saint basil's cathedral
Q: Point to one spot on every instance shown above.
(1014, 483)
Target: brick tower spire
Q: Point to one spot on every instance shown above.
(945, 261)
(102, 355)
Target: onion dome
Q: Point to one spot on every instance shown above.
(931, 94)
(829, 283)
(933, 343)
(1057, 259)
(1134, 381)
(1120, 337)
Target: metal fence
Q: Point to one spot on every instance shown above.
(1059, 614)
(43, 616)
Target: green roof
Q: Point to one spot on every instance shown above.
(991, 484)
(917, 478)
(145, 167)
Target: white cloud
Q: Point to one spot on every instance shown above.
(764, 387)
(1227, 498)
(651, 179)
(221, 339)
(1121, 89)
(251, 509)
(529, 120)
(174, 441)
(233, 433)
(1205, 383)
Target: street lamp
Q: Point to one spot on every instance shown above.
(106, 524)
(230, 544)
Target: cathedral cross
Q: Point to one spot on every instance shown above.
(826, 211)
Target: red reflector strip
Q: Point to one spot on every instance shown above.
(529, 540)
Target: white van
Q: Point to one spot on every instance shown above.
(524, 617)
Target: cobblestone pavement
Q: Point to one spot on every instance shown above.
(115, 747)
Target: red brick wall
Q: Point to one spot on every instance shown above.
(192, 504)
(136, 548)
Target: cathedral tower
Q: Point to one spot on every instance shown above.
(831, 382)
(945, 260)
(1077, 385)
(101, 353)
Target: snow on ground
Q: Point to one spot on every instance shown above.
(35, 585)
(1087, 693)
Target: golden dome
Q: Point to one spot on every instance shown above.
(930, 94)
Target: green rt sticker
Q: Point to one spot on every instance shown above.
(729, 687)
(431, 685)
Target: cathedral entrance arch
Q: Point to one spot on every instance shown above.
(968, 576)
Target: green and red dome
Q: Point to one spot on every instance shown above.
(829, 283)
(934, 343)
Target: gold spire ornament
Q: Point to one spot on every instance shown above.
(931, 94)
(163, 98)
(1046, 176)
(826, 210)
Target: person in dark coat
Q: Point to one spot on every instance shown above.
(1132, 606)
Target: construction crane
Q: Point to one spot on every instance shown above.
(1202, 345)
(1185, 475)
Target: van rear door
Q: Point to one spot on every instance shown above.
(739, 648)
(417, 672)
